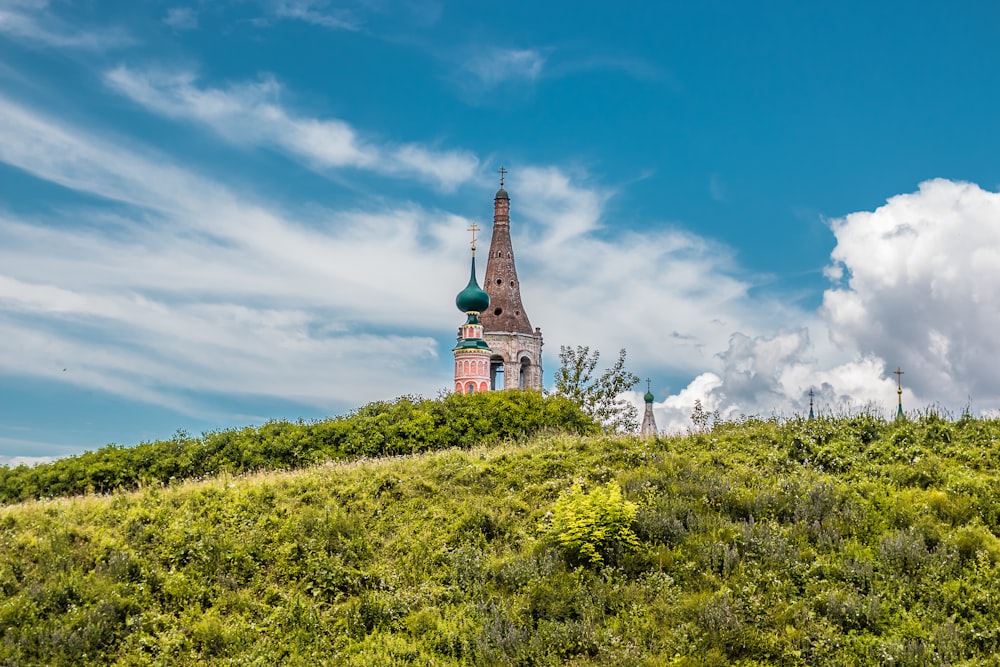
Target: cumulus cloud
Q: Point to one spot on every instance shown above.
(251, 114)
(915, 285)
(923, 289)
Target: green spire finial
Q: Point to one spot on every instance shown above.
(811, 394)
(649, 394)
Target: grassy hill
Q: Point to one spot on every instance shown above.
(848, 541)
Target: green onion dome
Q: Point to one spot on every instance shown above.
(649, 396)
(501, 194)
(472, 298)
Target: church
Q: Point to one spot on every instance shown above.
(497, 348)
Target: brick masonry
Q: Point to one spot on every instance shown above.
(508, 331)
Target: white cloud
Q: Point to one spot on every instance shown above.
(14, 461)
(251, 115)
(197, 291)
(31, 21)
(494, 66)
(772, 375)
(923, 289)
(181, 18)
(316, 12)
(916, 286)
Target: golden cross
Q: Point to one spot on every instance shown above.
(503, 172)
(899, 377)
(473, 228)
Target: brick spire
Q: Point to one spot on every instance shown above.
(506, 313)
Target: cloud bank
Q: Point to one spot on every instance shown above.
(915, 286)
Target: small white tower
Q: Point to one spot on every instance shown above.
(648, 429)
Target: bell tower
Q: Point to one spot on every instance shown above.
(516, 349)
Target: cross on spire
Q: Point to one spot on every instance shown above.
(647, 384)
(811, 394)
(503, 172)
(473, 228)
(899, 391)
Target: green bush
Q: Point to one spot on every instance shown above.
(594, 527)
(384, 428)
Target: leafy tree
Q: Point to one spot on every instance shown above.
(601, 397)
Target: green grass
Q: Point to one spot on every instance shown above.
(849, 541)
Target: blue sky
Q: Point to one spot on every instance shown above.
(217, 213)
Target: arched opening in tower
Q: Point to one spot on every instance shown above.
(496, 372)
(523, 376)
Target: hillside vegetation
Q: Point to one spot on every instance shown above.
(848, 541)
(385, 428)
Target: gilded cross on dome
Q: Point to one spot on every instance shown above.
(473, 228)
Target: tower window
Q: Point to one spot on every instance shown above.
(497, 311)
(512, 283)
(499, 281)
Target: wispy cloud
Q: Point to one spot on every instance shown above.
(251, 114)
(317, 12)
(31, 21)
(494, 66)
(181, 18)
(198, 291)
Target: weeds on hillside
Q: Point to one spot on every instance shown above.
(825, 542)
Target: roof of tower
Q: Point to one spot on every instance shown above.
(472, 298)
(649, 398)
(506, 312)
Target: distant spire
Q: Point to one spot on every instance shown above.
(899, 391)
(648, 428)
(503, 172)
(811, 394)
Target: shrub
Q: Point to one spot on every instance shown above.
(593, 528)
